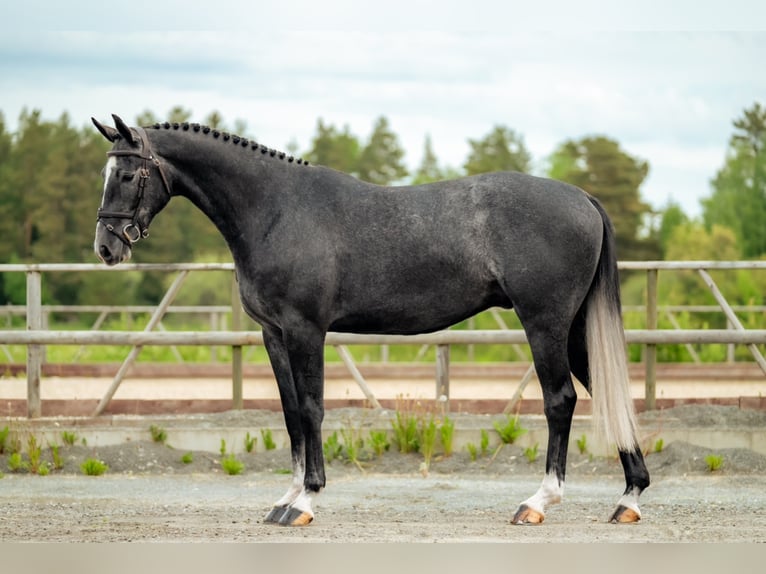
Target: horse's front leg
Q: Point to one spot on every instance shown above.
(298, 360)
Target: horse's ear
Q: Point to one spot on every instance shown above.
(124, 130)
(109, 133)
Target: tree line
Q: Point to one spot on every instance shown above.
(50, 186)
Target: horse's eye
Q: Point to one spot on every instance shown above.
(127, 175)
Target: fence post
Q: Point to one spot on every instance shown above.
(236, 351)
(34, 352)
(650, 351)
(442, 375)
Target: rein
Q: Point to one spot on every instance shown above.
(132, 232)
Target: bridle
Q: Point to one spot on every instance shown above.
(131, 232)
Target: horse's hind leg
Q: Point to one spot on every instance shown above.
(636, 474)
(559, 398)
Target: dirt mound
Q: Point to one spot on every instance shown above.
(676, 458)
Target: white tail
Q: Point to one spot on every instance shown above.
(613, 411)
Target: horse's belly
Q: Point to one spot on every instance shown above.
(410, 316)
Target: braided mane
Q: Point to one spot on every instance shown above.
(227, 137)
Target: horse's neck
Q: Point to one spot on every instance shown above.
(222, 181)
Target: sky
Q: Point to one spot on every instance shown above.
(664, 84)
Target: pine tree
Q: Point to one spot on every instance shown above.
(738, 200)
(599, 166)
(501, 150)
(381, 160)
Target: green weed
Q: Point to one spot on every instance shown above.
(222, 448)
(158, 434)
(187, 458)
(332, 448)
(447, 433)
(659, 445)
(484, 443)
(427, 442)
(16, 463)
(250, 442)
(35, 453)
(510, 431)
(473, 451)
(93, 467)
(268, 440)
(353, 444)
(3, 438)
(531, 453)
(58, 461)
(231, 465)
(714, 462)
(406, 432)
(69, 437)
(582, 444)
(378, 441)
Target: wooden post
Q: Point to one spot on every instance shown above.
(236, 351)
(348, 360)
(442, 376)
(650, 351)
(34, 352)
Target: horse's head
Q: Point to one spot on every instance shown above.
(135, 190)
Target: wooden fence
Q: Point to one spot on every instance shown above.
(36, 336)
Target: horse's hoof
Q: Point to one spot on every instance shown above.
(624, 515)
(295, 517)
(526, 515)
(274, 516)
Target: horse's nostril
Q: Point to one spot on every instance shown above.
(104, 252)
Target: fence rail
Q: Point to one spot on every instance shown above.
(36, 337)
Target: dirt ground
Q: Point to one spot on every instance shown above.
(149, 494)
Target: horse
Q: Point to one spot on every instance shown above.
(317, 250)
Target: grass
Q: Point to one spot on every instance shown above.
(378, 441)
(428, 429)
(473, 451)
(510, 431)
(93, 467)
(250, 442)
(69, 437)
(187, 458)
(58, 460)
(231, 465)
(332, 448)
(484, 443)
(3, 438)
(268, 440)
(159, 435)
(35, 453)
(447, 433)
(15, 462)
(714, 462)
(353, 445)
(531, 453)
(582, 444)
(405, 426)
(659, 445)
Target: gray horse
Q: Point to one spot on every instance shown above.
(317, 250)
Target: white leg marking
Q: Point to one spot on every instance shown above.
(296, 488)
(551, 491)
(630, 500)
(304, 501)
